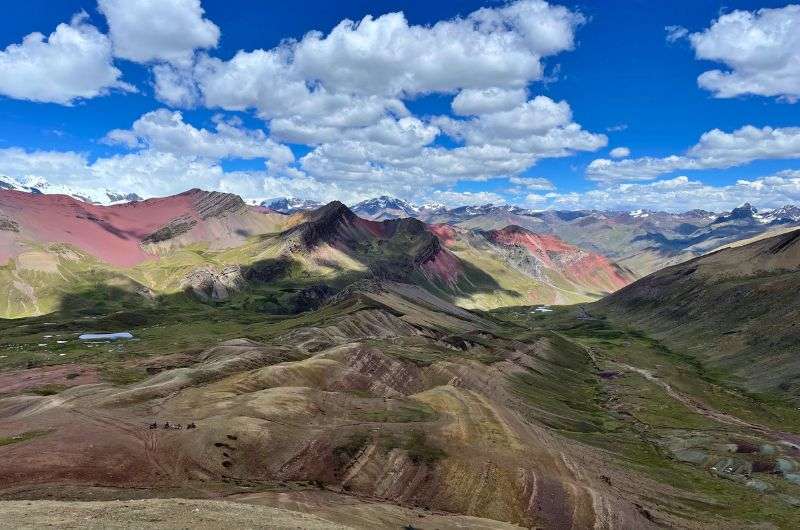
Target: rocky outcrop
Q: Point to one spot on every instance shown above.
(325, 224)
(210, 285)
(207, 205)
(8, 225)
(174, 228)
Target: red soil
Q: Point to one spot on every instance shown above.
(578, 265)
(444, 266)
(65, 375)
(111, 233)
(445, 233)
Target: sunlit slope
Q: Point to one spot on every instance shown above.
(735, 310)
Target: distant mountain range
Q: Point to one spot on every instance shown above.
(640, 240)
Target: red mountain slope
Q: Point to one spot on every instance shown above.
(577, 265)
(125, 234)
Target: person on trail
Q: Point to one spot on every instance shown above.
(191, 426)
(154, 425)
(166, 425)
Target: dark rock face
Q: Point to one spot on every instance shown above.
(8, 225)
(325, 224)
(312, 297)
(428, 251)
(171, 230)
(216, 204)
(266, 272)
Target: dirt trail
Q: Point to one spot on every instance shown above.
(700, 407)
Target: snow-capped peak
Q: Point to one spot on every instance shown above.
(290, 204)
(38, 185)
(385, 207)
(639, 213)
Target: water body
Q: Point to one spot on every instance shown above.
(106, 336)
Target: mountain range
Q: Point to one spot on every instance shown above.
(641, 240)
(218, 245)
(333, 366)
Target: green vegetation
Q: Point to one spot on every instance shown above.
(643, 428)
(48, 390)
(19, 438)
(121, 375)
(416, 443)
(405, 412)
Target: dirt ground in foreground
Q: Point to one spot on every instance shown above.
(212, 514)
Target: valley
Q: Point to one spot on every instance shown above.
(388, 395)
(318, 368)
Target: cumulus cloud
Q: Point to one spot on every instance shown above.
(158, 30)
(472, 101)
(73, 62)
(174, 86)
(343, 93)
(619, 152)
(147, 173)
(166, 131)
(716, 149)
(538, 128)
(760, 50)
(491, 47)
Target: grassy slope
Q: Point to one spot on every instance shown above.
(644, 429)
(628, 417)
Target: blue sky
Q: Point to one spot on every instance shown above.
(608, 77)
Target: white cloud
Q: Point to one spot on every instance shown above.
(267, 82)
(619, 152)
(538, 128)
(716, 149)
(491, 47)
(681, 194)
(760, 49)
(465, 198)
(472, 101)
(676, 33)
(174, 86)
(151, 173)
(158, 30)
(406, 131)
(56, 166)
(147, 173)
(533, 183)
(74, 62)
(165, 131)
(342, 93)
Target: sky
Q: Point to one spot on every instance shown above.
(609, 105)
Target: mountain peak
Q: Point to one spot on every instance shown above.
(385, 207)
(289, 204)
(39, 186)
